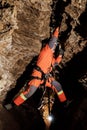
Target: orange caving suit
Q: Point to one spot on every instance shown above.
(45, 62)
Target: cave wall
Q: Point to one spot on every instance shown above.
(68, 14)
(25, 23)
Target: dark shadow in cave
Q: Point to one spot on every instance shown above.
(70, 118)
(5, 5)
(64, 35)
(74, 70)
(82, 28)
(28, 117)
(69, 76)
(58, 8)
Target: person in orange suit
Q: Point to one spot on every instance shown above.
(45, 63)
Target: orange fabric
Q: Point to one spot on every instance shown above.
(36, 73)
(18, 100)
(62, 97)
(35, 82)
(56, 32)
(58, 59)
(45, 59)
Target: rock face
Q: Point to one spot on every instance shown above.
(23, 26)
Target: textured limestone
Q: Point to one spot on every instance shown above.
(23, 26)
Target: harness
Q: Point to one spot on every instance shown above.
(43, 77)
(40, 70)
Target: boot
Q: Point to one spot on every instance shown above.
(67, 103)
(9, 106)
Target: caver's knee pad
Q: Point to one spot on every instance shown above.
(57, 85)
